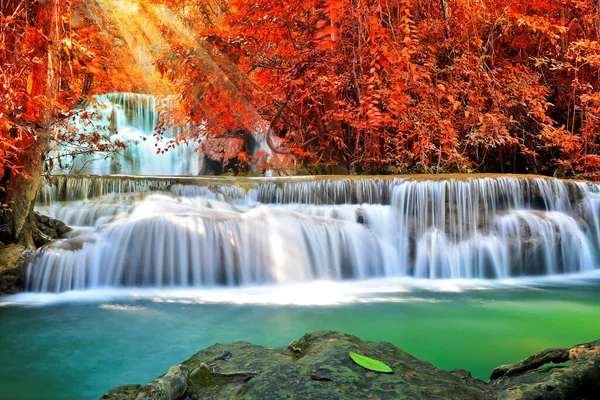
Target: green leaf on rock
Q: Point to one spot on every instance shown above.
(370, 364)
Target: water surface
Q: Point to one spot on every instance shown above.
(80, 344)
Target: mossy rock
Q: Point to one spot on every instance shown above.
(125, 392)
(552, 374)
(12, 269)
(318, 366)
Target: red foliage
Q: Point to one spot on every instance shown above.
(81, 61)
(391, 85)
(372, 85)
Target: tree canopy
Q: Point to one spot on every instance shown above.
(396, 85)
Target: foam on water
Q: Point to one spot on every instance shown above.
(316, 293)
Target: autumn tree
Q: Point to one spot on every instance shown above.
(51, 59)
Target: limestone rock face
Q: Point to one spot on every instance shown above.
(318, 366)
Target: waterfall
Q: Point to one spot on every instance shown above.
(290, 190)
(192, 232)
(131, 119)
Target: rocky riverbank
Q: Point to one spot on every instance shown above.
(318, 366)
(13, 263)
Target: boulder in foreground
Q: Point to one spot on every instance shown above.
(318, 366)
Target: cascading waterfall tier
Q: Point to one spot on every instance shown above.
(131, 118)
(192, 232)
(304, 190)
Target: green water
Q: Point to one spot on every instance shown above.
(73, 349)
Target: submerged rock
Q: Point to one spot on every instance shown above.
(318, 366)
(13, 269)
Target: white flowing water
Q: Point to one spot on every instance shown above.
(132, 119)
(179, 232)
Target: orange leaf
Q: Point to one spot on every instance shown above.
(30, 83)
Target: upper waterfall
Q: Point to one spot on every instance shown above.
(186, 232)
(132, 119)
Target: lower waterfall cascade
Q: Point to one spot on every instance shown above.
(195, 232)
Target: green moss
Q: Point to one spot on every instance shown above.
(550, 366)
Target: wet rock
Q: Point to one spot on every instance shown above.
(527, 256)
(528, 251)
(529, 379)
(556, 356)
(225, 356)
(74, 244)
(360, 216)
(583, 225)
(13, 269)
(56, 225)
(48, 229)
(171, 385)
(318, 366)
(125, 392)
(53, 228)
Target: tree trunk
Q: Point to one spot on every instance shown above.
(444, 4)
(22, 188)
